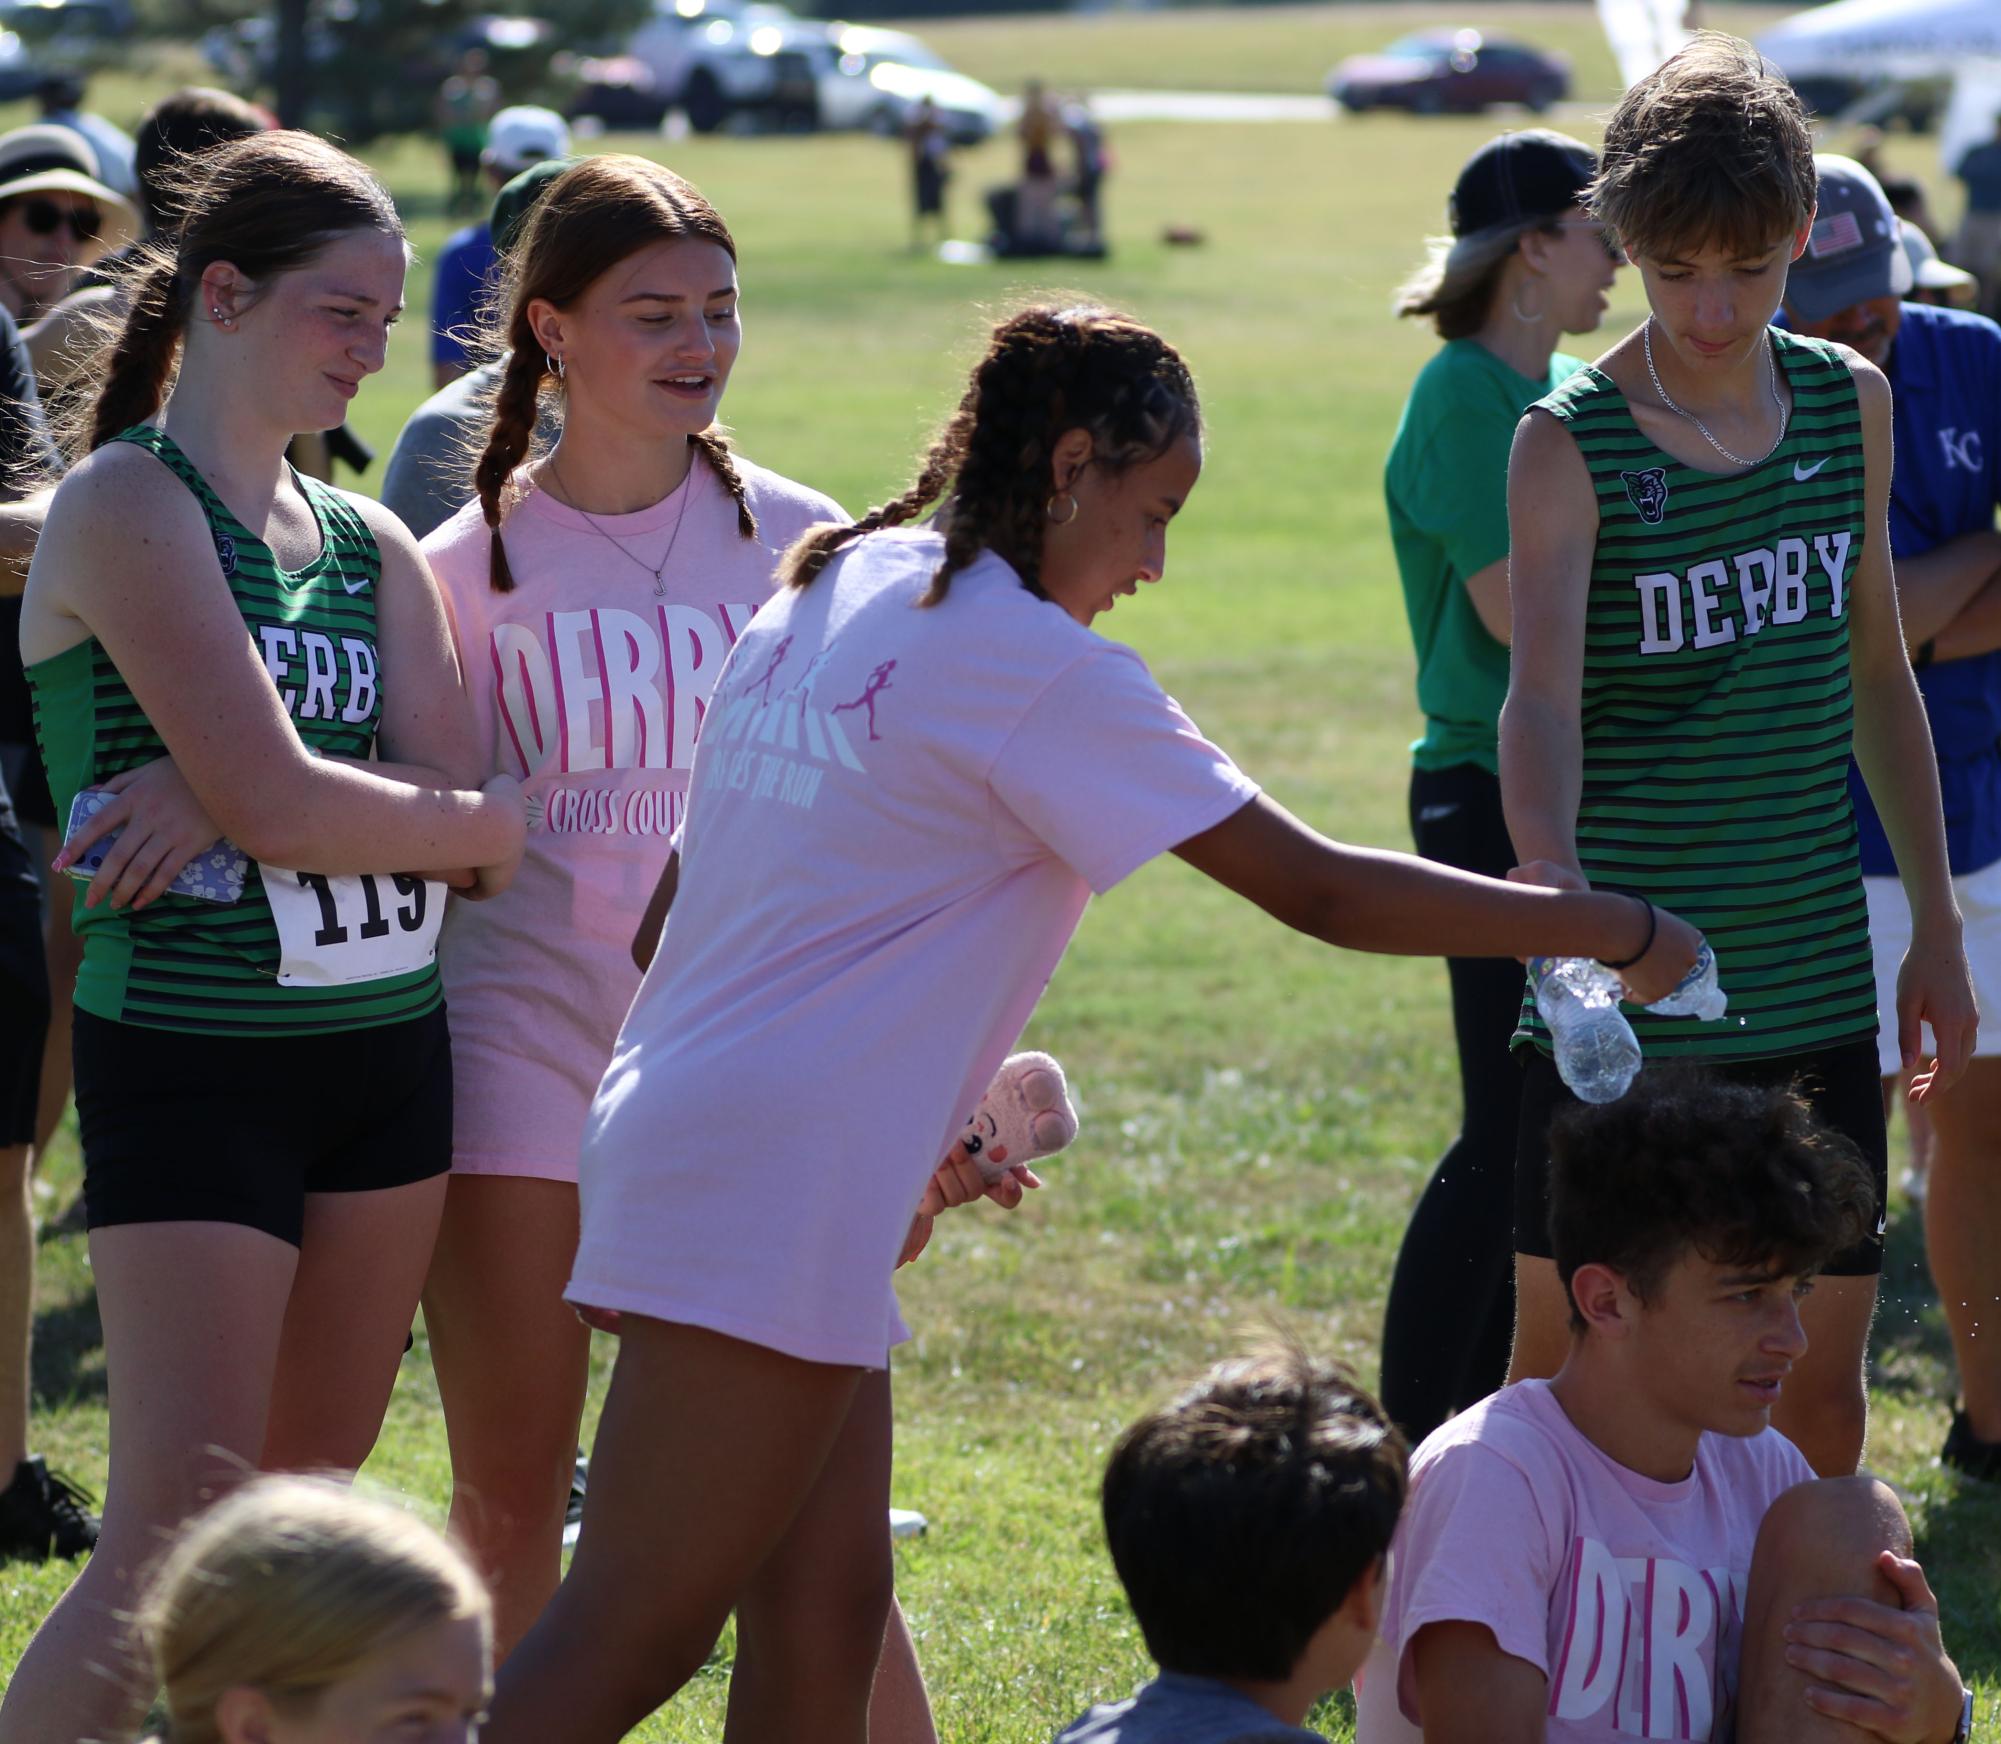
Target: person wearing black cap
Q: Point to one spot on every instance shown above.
(1524, 265)
(1944, 370)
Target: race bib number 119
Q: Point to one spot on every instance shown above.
(333, 932)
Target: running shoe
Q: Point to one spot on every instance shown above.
(43, 1514)
(1966, 1452)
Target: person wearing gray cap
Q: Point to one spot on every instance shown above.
(1944, 368)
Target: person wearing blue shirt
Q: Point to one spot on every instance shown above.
(1944, 368)
(517, 139)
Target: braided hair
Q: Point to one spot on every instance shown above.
(1047, 371)
(269, 204)
(597, 213)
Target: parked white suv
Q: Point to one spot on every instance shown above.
(718, 59)
(877, 78)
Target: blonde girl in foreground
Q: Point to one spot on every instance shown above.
(296, 1612)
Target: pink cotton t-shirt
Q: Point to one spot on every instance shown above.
(588, 686)
(897, 816)
(1627, 1594)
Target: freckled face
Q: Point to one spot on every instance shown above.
(312, 336)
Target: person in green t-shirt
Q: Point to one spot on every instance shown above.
(1524, 265)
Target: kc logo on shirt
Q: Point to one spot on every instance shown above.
(1650, 1646)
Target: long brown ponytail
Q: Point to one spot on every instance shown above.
(594, 215)
(1046, 371)
(268, 205)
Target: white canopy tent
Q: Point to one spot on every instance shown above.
(1903, 39)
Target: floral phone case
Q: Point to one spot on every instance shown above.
(216, 874)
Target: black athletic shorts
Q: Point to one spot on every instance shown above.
(181, 1128)
(24, 985)
(1840, 1085)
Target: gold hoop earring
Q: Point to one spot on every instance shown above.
(1049, 509)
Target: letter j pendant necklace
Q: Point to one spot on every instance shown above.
(657, 571)
(1772, 380)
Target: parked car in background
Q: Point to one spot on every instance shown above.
(1438, 71)
(876, 79)
(19, 73)
(722, 59)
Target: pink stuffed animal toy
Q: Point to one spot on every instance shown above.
(1026, 1114)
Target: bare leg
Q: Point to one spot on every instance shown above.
(1817, 1541)
(191, 1325)
(899, 1708)
(1963, 1234)
(17, 1299)
(361, 1266)
(512, 1360)
(1542, 1320)
(64, 953)
(707, 1449)
(1824, 1408)
(810, 1624)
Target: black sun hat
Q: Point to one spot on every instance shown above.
(1520, 178)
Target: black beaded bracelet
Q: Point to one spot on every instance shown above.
(1653, 925)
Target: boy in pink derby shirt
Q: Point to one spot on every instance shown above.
(1630, 1550)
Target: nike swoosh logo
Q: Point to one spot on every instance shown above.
(354, 586)
(1802, 473)
(1432, 814)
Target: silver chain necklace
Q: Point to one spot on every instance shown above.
(1772, 379)
(659, 572)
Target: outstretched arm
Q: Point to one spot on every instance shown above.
(1369, 899)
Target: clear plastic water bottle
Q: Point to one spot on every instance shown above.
(1697, 994)
(1597, 1054)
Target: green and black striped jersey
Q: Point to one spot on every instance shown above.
(1716, 710)
(184, 964)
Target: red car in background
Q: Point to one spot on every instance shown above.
(1436, 71)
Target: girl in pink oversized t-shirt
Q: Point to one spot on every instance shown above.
(919, 763)
(594, 595)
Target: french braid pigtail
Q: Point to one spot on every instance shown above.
(142, 356)
(714, 447)
(812, 550)
(515, 405)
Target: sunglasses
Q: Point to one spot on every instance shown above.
(45, 218)
(1607, 238)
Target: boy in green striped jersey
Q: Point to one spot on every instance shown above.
(1705, 619)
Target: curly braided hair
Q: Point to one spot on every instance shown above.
(597, 213)
(1047, 371)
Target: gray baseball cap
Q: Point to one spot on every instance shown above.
(1854, 253)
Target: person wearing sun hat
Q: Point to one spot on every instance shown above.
(1936, 281)
(55, 216)
(1944, 368)
(518, 138)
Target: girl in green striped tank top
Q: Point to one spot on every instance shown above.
(1705, 619)
(263, 1084)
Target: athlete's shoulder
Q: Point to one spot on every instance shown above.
(377, 517)
(775, 497)
(129, 484)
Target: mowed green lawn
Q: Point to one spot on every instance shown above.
(1259, 1111)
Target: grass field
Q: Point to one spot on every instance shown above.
(1259, 1112)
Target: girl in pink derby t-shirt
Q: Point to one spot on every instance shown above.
(594, 591)
(918, 764)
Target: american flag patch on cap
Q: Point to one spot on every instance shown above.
(1835, 234)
